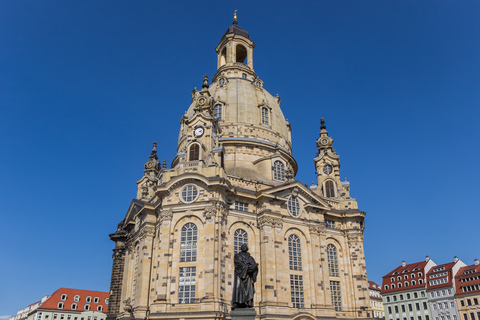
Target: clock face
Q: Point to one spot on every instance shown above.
(324, 141)
(327, 169)
(198, 132)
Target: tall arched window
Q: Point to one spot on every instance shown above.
(240, 237)
(279, 170)
(332, 260)
(329, 189)
(218, 112)
(294, 253)
(188, 245)
(194, 153)
(265, 115)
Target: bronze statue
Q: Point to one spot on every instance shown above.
(246, 271)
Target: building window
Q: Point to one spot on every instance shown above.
(417, 306)
(194, 153)
(279, 170)
(69, 317)
(408, 296)
(469, 302)
(329, 189)
(396, 309)
(186, 285)
(188, 245)
(88, 299)
(406, 283)
(332, 260)
(422, 294)
(107, 301)
(217, 112)
(336, 294)
(401, 297)
(244, 76)
(330, 224)
(62, 317)
(413, 282)
(265, 115)
(410, 308)
(87, 307)
(388, 298)
(63, 297)
(462, 303)
(74, 306)
(55, 316)
(241, 206)
(95, 300)
(475, 301)
(60, 305)
(425, 306)
(240, 237)
(293, 206)
(403, 307)
(76, 298)
(386, 288)
(189, 193)
(389, 310)
(393, 285)
(39, 316)
(99, 308)
(296, 290)
(472, 316)
(294, 253)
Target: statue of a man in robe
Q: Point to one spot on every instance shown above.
(246, 271)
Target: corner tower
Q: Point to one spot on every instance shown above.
(232, 181)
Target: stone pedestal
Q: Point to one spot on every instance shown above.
(243, 314)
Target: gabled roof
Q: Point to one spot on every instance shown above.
(301, 188)
(413, 272)
(438, 272)
(56, 297)
(467, 278)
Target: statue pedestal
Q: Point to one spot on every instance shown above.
(243, 314)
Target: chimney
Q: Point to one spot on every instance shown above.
(427, 258)
(403, 263)
(455, 259)
(476, 262)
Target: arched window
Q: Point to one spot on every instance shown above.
(223, 57)
(413, 275)
(332, 260)
(413, 282)
(420, 281)
(406, 283)
(194, 153)
(294, 253)
(399, 285)
(188, 245)
(329, 189)
(265, 115)
(279, 170)
(240, 237)
(218, 112)
(241, 54)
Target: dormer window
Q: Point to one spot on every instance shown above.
(107, 301)
(88, 299)
(278, 170)
(265, 115)
(63, 297)
(218, 112)
(74, 306)
(95, 300)
(99, 308)
(87, 307)
(60, 305)
(76, 298)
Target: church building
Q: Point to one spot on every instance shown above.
(232, 182)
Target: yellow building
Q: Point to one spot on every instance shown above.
(233, 182)
(376, 300)
(467, 286)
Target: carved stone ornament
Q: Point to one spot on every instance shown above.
(166, 217)
(224, 214)
(269, 223)
(128, 305)
(318, 229)
(209, 213)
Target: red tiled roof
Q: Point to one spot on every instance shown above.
(401, 271)
(447, 269)
(373, 285)
(52, 302)
(461, 275)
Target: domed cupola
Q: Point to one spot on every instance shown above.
(251, 126)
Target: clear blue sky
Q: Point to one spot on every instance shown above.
(87, 86)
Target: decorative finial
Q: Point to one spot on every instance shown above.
(154, 151)
(235, 18)
(205, 82)
(164, 164)
(322, 124)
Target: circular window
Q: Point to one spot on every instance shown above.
(293, 206)
(189, 193)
